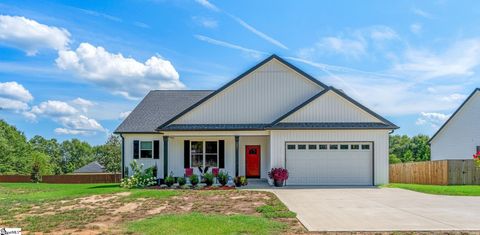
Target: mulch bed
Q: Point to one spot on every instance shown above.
(162, 187)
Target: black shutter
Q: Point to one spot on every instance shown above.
(136, 147)
(221, 154)
(156, 149)
(186, 154)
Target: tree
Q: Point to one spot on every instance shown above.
(75, 154)
(14, 150)
(392, 159)
(408, 149)
(421, 148)
(109, 154)
(52, 149)
(40, 165)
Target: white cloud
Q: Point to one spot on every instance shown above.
(30, 36)
(205, 22)
(14, 96)
(53, 108)
(348, 47)
(124, 115)
(459, 59)
(83, 104)
(433, 119)
(64, 131)
(208, 5)
(422, 13)
(248, 51)
(80, 122)
(381, 32)
(416, 28)
(454, 97)
(121, 75)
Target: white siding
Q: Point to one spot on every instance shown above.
(264, 153)
(261, 97)
(330, 107)
(379, 138)
(460, 137)
(129, 138)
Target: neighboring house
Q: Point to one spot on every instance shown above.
(273, 115)
(91, 168)
(459, 136)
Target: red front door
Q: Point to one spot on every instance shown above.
(252, 160)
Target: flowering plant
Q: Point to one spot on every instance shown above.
(140, 178)
(476, 158)
(279, 174)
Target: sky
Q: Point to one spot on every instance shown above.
(75, 69)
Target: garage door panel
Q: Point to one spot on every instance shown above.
(329, 166)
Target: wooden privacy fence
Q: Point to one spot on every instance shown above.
(66, 179)
(444, 172)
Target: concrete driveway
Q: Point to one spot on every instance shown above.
(379, 209)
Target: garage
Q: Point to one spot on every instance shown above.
(317, 163)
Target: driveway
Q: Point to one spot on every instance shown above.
(379, 209)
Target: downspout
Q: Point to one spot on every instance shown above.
(123, 156)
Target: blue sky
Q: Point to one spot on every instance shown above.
(76, 68)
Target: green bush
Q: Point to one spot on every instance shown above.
(208, 177)
(240, 181)
(222, 178)
(193, 179)
(170, 180)
(181, 181)
(140, 178)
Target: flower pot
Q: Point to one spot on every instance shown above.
(238, 184)
(278, 183)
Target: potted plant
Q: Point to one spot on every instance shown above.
(240, 181)
(208, 177)
(222, 178)
(181, 181)
(193, 180)
(170, 180)
(278, 175)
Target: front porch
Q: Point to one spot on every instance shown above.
(238, 153)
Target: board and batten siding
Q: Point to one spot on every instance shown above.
(379, 138)
(330, 107)
(461, 136)
(147, 162)
(261, 97)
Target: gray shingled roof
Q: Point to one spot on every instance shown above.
(213, 127)
(158, 107)
(331, 125)
(92, 167)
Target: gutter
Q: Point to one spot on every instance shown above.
(123, 156)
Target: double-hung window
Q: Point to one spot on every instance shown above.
(204, 153)
(146, 149)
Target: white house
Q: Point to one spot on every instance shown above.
(459, 136)
(273, 115)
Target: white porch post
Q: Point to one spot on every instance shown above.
(237, 154)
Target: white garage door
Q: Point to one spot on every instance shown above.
(329, 163)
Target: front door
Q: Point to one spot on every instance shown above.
(252, 161)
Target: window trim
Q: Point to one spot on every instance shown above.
(140, 149)
(298, 146)
(204, 153)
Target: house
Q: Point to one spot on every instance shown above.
(459, 136)
(91, 168)
(273, 115)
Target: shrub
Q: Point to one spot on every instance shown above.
(139, 178)
(278, 174)
(222, 177)
(240, 181)
(181, 181)
(476, 158)
(170, 180)
(208, 177)
(193, 179)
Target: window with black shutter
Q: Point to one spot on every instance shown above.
(186, 154)
(136, 149)
(156, 149)
(221, 154)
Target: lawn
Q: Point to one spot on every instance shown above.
(107, 208)
(453, 190)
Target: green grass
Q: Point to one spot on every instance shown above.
(71, 219)
(196, 223)
(453, 190)
(152, 193)
(276, 209)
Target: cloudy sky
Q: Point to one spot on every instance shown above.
(77, 68)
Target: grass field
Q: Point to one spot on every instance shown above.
(107, 208)
(453, 190)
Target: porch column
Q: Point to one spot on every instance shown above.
(165, 157)
(237, 154)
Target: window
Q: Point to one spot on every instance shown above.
(312, 146)
(365, 146)
(355, 146)
(302, 146)
(334, 146)
(204, 153)
(344, 146)
(322, 146)
(291, 146)
(146, 149)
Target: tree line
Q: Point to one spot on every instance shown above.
(409, 149)
(18, 155)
